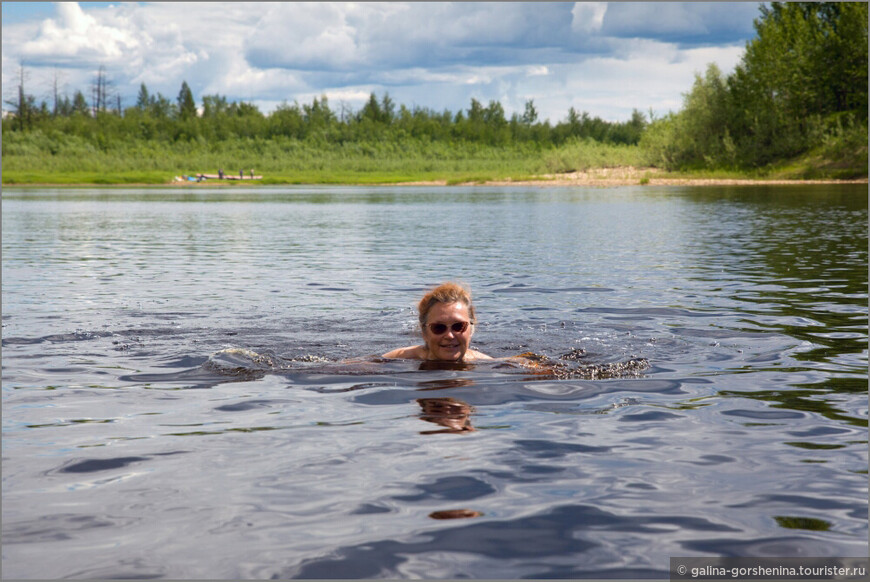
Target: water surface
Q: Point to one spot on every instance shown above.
(177, 400)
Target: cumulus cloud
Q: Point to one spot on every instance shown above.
(588, 17)
(606, 58)
(689, 23)
(311, 36)
(75, 35)
(646, 80)
(342, 37)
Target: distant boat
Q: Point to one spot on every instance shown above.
(201, 177)
(229, 177)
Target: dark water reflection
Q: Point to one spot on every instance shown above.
(189, 389)
(454, 415)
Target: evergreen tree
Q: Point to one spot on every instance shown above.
(64, 106)
(530, 115)
(371, 110)
(388, 109)
(186, 104)
(143, 100)
(80, 104)
(475, 111)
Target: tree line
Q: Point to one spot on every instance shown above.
(155, 116)
(801, 84)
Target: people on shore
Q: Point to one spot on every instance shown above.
(447, 321)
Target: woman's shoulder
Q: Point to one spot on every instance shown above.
(408, 353)
(475, 355)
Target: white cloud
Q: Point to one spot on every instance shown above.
(302, 37)
(347, 95)
(76, 35)
(654, 75)
(699, 22)
(600, 57)
(588, 16)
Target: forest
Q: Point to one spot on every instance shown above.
(795, 106)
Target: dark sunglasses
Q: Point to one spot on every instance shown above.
(441, 328)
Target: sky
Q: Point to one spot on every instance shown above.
(604, 58)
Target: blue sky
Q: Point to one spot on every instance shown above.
(603, 58)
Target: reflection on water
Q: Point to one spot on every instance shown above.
(439, 365)
(450, 413)
(454, 514)
(191, 387)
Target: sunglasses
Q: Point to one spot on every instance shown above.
(441, 328)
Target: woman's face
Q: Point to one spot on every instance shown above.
(449, 345)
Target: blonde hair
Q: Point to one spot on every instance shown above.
(449, 292)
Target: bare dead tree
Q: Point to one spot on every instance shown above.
(24, 103)
(96, 91)
(55, 90)
(100, 91)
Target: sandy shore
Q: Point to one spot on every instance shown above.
(629, 176)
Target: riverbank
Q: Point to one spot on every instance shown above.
(630, 176)
(596, 177)
(40, 160)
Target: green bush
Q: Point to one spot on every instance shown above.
(582, 154)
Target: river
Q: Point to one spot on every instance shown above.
(191, 387)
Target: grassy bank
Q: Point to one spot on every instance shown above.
(39, 158)
(61, 159)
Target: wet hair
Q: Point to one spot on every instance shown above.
(449, 292)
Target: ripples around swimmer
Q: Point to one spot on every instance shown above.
(243, 363)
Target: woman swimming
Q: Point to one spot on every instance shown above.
(447, 321)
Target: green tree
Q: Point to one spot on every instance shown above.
(388, 109)
(161, 107)
(80, 104)
(493, 115)
(143, 99)
(812, 55)
(574, 121)
(703, 127)
(497, 131)
(186, 103)
(214, 105)
(372, 110)
(472, 127)
(807, 64)
(318, 115)
(530, 114)
(24, 104)
(475, 111)
(64, 106)
(802, 80)
(287, 121)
